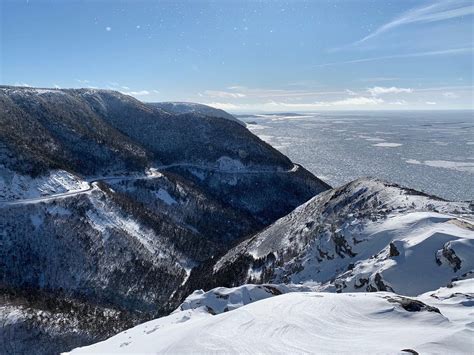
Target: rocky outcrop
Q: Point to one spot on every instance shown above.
(365, 236)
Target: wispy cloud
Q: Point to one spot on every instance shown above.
(379, 78)
(460, 88)
(398, 56)
(398, 102)
(373, 98)
(126, 90)
(23, 84)
(224, 105)
(439, 11)
(139, 93)
(136, 93)
(116, 86)
(238, 92)
(380, 90)
(351, 102)
(354, 101)
(223, 94)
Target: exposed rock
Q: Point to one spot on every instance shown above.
(393, 250)
(411, 305)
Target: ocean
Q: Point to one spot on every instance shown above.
(430, 151)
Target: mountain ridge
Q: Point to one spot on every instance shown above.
(107, 204)
(337, 238)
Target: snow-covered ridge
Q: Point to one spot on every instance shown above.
(30, 90)
(365, 236)
(23, 90)
(223, 299)
(309, 322)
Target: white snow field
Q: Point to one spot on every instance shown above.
(15, 186)
(306, 322)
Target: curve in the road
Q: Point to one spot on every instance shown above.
(91, 182)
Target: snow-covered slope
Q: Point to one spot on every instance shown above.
(365, 236)
(223, 299)
(93, 132)
(15, 186)
(309, 322)
(92, 247)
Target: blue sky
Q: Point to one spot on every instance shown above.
(248, 55)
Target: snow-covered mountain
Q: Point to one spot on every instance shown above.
(277, 319)
(91, 132)
(107, 203)
(368, 235)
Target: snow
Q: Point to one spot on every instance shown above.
(36, 220)
(48, 91)
(307, 322)
(14, 186)
(433, 242)
(387, 145)
(418, 237)
(223, 299)
(367, 219)
(10, 315)
(369, 138)
(25, 90)
(153, 173)
(102, 218)
(413, 161)
(198, 173)
(164, 196)
(452, 165)
(256, 126)
(58, 211)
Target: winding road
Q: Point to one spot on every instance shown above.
(155, 172)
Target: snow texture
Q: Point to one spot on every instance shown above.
(309, 322)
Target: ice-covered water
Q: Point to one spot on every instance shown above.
(428, 151)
